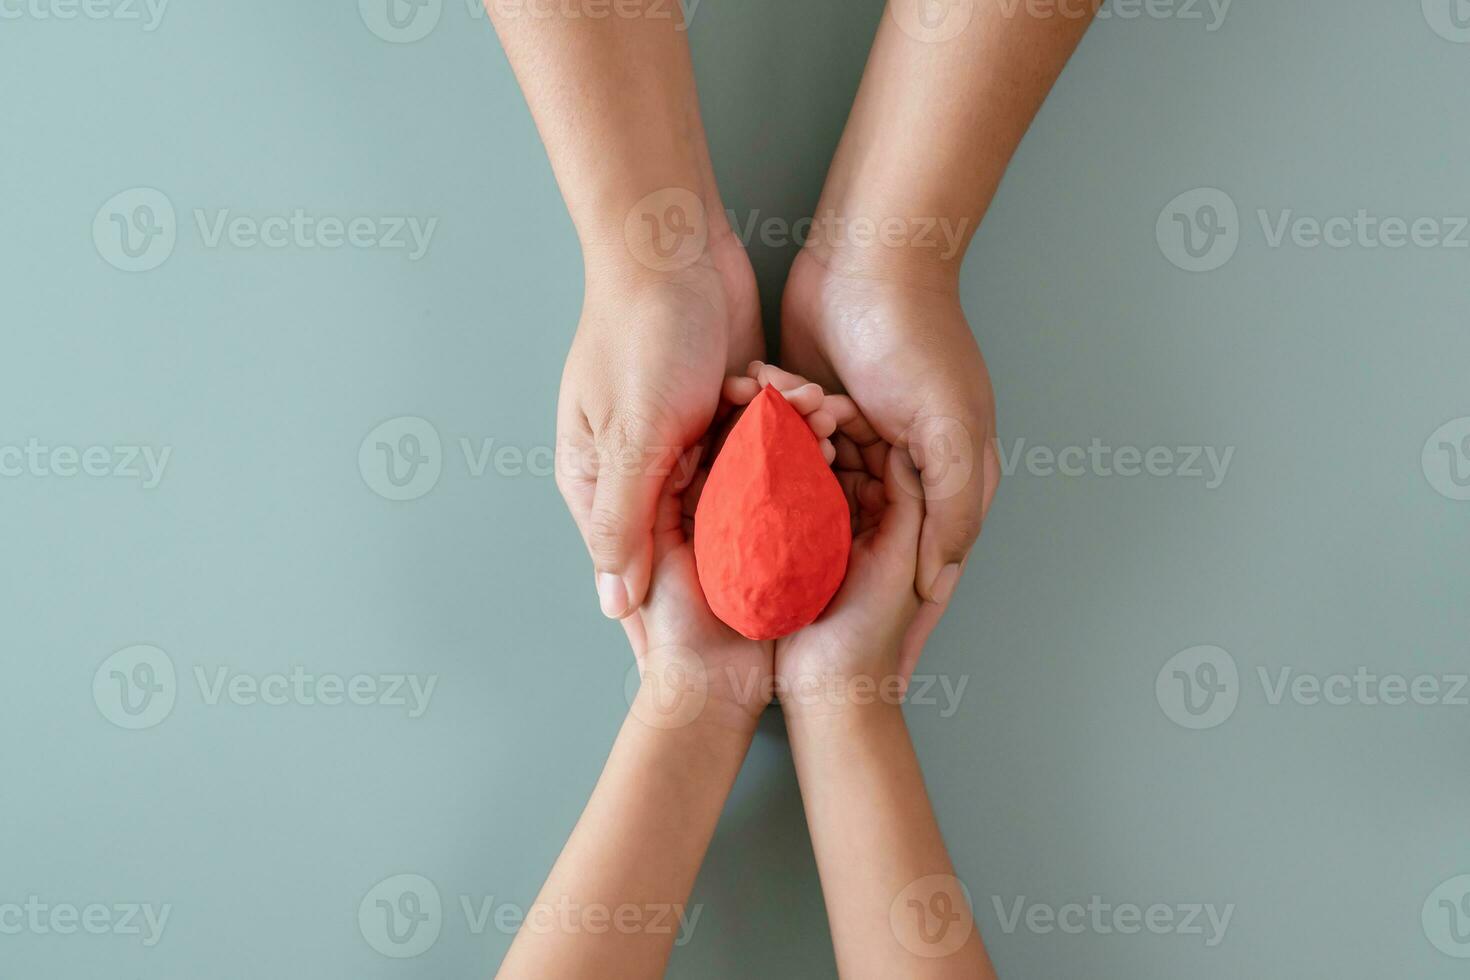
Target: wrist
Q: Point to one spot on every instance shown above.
(718, 729)
(678, 694)
(902, 242)
(843, 697)
(652, 230)
(847, 725)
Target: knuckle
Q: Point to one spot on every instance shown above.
(962, 528)
(606, 531)
(573, 467)
(566, 480)
(623, 425)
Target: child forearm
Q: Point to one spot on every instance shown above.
(617, 898)
(893, 902)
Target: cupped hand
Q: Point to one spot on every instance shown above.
(876, 625)
(641, 386)
(698, 663)
(901, 347)
(695, 665)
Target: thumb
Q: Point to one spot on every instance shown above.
(903, 515)
(956, 477)
(619, 530)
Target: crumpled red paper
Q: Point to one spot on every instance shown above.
(772, 530)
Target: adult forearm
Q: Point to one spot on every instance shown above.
(614, 99)
(938, 117)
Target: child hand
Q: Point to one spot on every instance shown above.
(873, 630)
(686, 656)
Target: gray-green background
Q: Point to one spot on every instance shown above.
(1336, 541)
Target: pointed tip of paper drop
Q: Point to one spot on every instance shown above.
(771, 407)
(772, 531)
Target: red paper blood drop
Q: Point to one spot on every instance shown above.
(772, 530)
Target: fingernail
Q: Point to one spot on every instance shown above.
(612, 594)
(944, 583)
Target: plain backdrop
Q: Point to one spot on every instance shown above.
(1064, 770)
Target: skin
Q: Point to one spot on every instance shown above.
(646, 828)
(614, 100)
(883, 321)
(645, 831)
(670, 308)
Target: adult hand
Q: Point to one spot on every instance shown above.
(873, 300)
(901, 347)
(670, 297)
(877, 610)
(640, 388)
